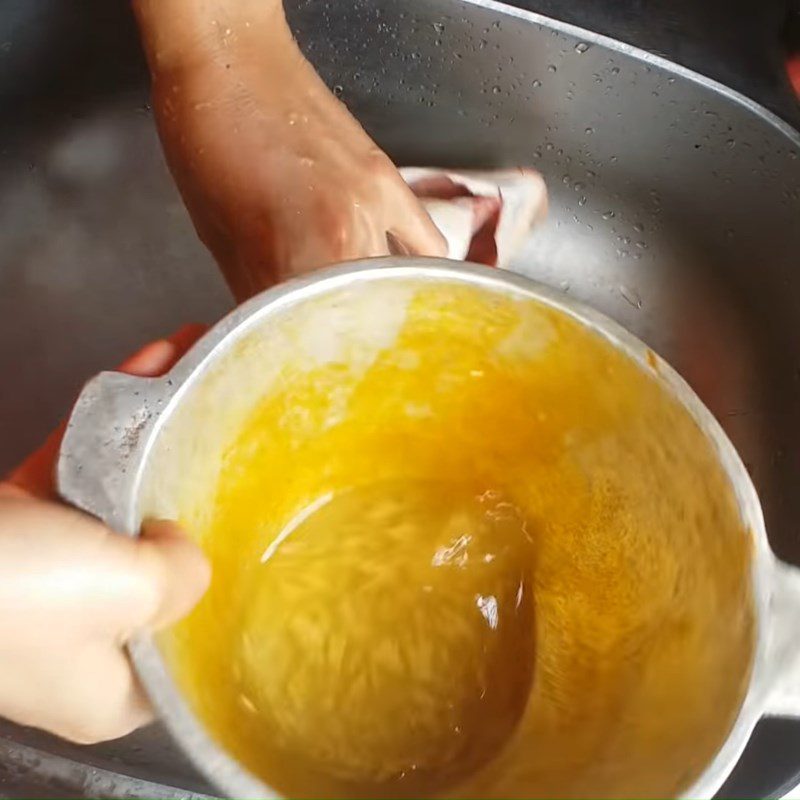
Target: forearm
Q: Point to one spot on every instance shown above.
(277, 176)
(186, 34)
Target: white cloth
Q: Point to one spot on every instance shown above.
(485, 216)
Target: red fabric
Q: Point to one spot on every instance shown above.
(793, 68)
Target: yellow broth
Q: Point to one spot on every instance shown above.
(498, 560)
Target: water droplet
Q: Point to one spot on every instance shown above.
(615, 70)
(582, 201)
(579, 187)
(536, 83)
(496, 90)
(631, 296)
(731, 142)
(564, 286)
(338, 90)
(609, 215)
(548, 146)
(589, 131)
(582, 47)
(438, 27)
(565, 180)
(642, 245)
(638, 227)
(552, 68)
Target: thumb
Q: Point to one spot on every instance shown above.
(176, 570)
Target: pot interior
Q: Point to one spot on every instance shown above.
(463, 544)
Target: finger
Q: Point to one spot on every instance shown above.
(176, 569)
(11, 491)
(439, 187)
(93, 697)
(101, 698)
(397, 247)
(420, 235)
(132, 585)
(35, 474)
(186, 336)
(128, 707)
(793, 68)
(151, 361)
(160, 356)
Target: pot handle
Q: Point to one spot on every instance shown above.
(103, 444)
(783, 649)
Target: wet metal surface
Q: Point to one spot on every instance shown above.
(675, 210)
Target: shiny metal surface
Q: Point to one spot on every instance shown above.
(688, 233)
(111, 452)
(741, 43)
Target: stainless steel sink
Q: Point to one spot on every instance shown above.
(675, 209)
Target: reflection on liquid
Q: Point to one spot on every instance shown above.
(406, 601)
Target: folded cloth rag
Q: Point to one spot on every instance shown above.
(485, 216)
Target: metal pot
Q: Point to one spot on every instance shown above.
(124, 439)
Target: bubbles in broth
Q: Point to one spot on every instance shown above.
(492, 559)
(389, 635)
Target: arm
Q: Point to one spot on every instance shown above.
(278, 177)
(186, 35)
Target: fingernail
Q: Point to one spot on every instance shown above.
(187, 335)
(397, 247)
(154, 528)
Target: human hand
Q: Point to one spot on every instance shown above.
(72, 593)
(277, 175)
(793, 70)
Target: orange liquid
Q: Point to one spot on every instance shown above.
(497, 561)
(411, 598)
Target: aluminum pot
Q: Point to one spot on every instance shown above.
(118, 442)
